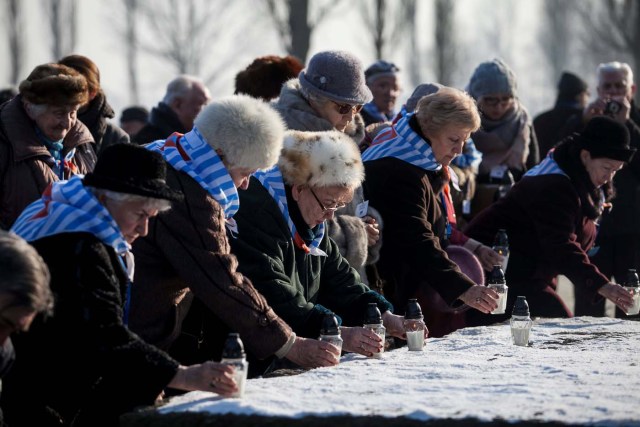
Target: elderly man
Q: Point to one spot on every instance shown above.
(382, 79)
(185, 97)
(618, 244)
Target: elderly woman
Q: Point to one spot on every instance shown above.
(328, 95)
(185, 265)
(550, 217)
(41, 140)
(406, 168)
(95, 114)
(83, 229)
(284, 247)
(24, 292)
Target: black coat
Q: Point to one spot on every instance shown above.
(549, 124)
(96, 118)
(163, 121)
(83, 359)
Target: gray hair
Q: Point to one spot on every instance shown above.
(24, 274)
(35, 110)
(149, 202)
(615, 66)
(180, 87)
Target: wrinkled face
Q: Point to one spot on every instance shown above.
(241, 177)
(188, 107)
(385, 92)
(601, 170)
(339, 115)
(448, 143)
(132, 217)
(13, 318)
(495, 105)
(614, 84)
(55, 121)
(320, 203)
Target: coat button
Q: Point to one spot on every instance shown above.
(263, 321)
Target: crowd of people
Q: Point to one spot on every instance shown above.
(128, 253)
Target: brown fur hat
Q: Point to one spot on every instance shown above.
(320, 159)
(264, 77)
(55, 84)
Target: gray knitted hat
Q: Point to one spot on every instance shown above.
(492, 77)
(420, 91)
(336, 75)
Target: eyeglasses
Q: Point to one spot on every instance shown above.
(347, 108)
(493, 101)
(325, 210)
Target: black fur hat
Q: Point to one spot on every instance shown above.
(132, 169)
(605, 137)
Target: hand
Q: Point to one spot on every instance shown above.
(618, 295)
(373, 232)
(488, 257)
(208, 376)
(394, 325)
(310, 353)
(596, 108)
(625, 109)
(361, 340)
(481, 298)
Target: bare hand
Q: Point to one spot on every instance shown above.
(481, 298)
(395, 325)
(208, 376)
(488, 257)
(310, 353)
(361, 340)
(618, 295)
(373, 232)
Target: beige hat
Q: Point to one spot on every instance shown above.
(321, 159)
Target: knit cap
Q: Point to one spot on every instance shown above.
(492, 77)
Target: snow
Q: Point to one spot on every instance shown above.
(581, 370)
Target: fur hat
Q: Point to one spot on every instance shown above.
(420, 91)
(247, 131)
(605, 137)
(132, 169)
(264, 77)
(321, 159)
(492, 77)
(378, 69)
(336, 75)
(55, 84)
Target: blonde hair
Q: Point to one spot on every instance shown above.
(446, 107)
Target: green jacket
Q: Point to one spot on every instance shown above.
(298, 286)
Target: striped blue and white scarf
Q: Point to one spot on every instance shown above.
(68, 207)
(401, 142)
(271, 179)
(192, 154)
(548, 166)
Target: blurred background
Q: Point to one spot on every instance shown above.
(140, 45)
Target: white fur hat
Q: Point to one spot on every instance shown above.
(247, 131)
(321, 159)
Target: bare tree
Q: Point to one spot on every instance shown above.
(612, 27)
(62, 17)
(556, 34)
(16, 48)
(131, 38)
(445, 43)
(386, 23)
(295, 22)
(414, 57)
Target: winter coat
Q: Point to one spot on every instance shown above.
(550, 225)
(96, 118)
(83, 359)
(299, 286)
(24, 160)
(548, 125)
(163, 121)
(187, 254)
(346, 229)
(412, 259)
